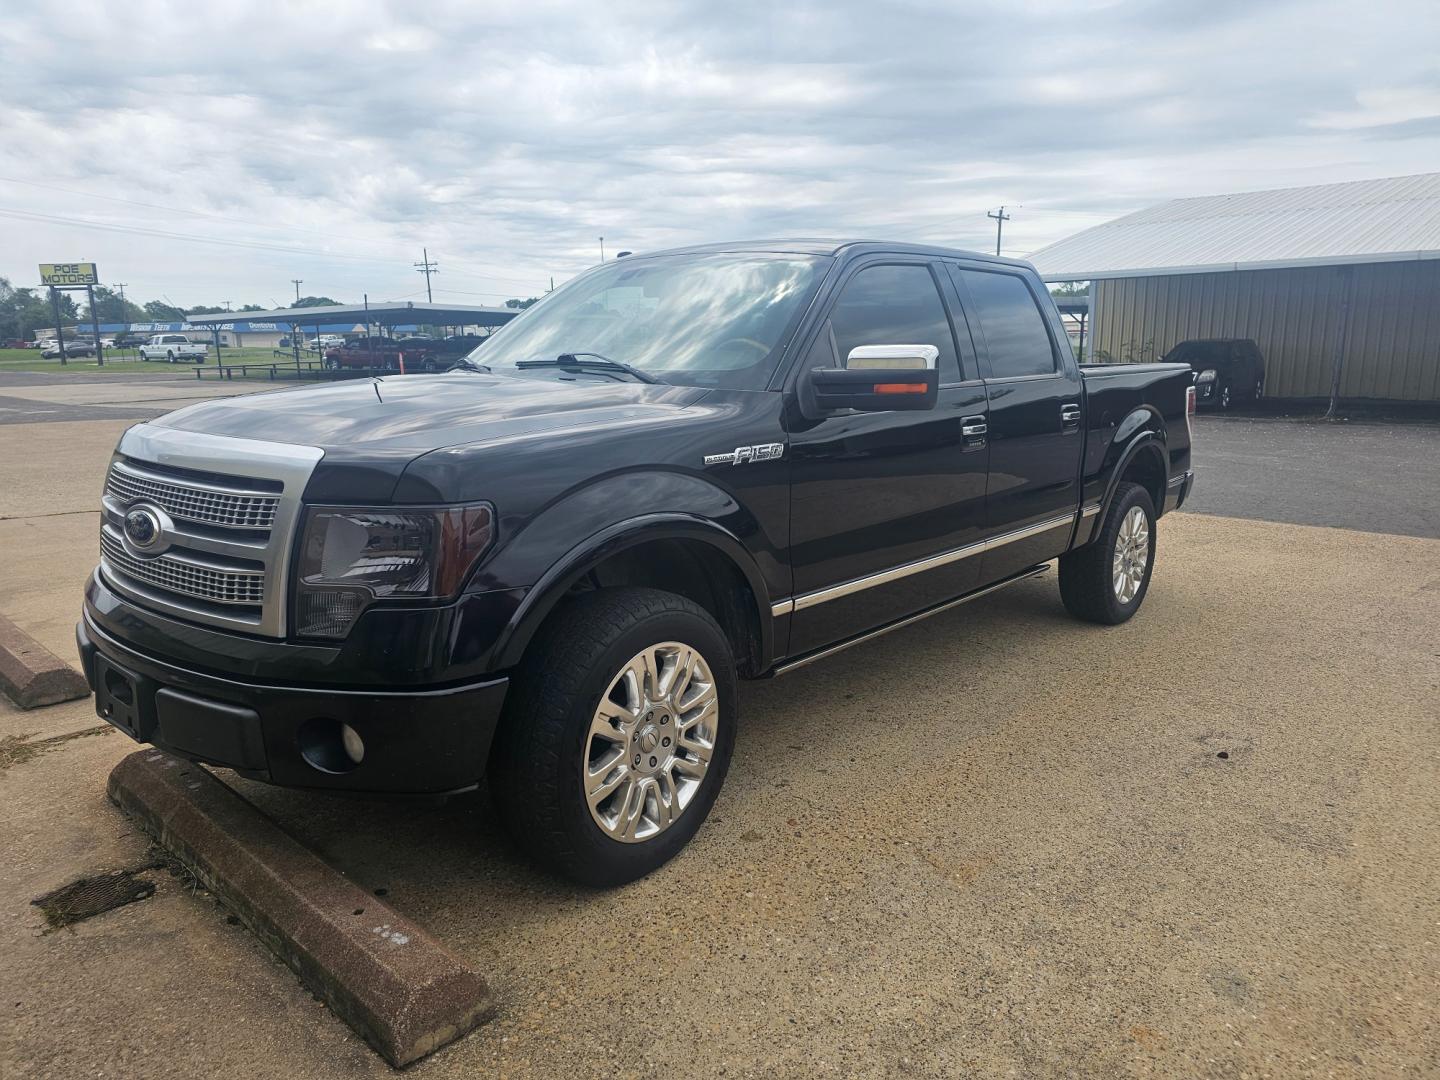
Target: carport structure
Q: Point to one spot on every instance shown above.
(386, 316)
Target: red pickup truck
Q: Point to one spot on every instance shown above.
(379, 352)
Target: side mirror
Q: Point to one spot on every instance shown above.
(875, 378)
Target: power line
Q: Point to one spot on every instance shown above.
(427, 268)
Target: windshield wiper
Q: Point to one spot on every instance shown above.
(581, 360)
(466, 364)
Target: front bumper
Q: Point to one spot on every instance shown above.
(417, 741)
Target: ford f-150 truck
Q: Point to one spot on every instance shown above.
(552, 564)
(176, 348)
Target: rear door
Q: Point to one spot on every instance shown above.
(884, 505)
(1036, 405)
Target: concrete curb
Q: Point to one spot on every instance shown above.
(401, 991)
(31, 675)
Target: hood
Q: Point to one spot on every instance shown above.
(418, 413)
(371, 429)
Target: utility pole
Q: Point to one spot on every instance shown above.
(226, 303)
(297, 282)
(1000, 218)
(602, 249)
(427, 268)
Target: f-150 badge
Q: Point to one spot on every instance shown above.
(743, 455)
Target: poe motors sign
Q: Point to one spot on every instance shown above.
(68, 274)
(59, 277)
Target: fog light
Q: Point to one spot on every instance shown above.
(329, 745)
(354, 745)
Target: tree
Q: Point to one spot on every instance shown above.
(251, 307)
(1066, 289)
(109, 307)
(313, 301)
(162, 312)
(522, 304)
(23, 311)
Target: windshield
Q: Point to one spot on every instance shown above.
(697, 320)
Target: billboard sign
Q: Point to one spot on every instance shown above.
(68, 274)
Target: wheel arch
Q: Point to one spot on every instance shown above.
(1136, 452)
(681, 553)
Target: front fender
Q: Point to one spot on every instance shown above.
(542, 599)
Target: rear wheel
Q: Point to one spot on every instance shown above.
(617, 735)
(1106, 580)
(170, 355)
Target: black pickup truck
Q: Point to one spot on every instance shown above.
(553, 563)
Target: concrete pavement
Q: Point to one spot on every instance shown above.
(997, 843)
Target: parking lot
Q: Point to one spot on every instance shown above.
(1000, 842)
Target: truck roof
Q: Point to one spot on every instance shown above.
(836, 248)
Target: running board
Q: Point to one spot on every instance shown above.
(870, 635)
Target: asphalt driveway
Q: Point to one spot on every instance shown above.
(1351, 474)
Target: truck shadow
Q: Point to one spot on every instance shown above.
(447, 862)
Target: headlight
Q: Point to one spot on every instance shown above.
(1208, 375)
(352, 556)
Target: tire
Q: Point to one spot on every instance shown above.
(170, 355)
(1087, 576)
(548, 742)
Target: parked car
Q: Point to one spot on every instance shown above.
(175, 348)
(325, 342)
(556, 567)
(75, 347)
(45, 343)
(1228, 371)
(130, 339)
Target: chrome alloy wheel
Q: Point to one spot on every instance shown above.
(650, 742)
(1132, 553)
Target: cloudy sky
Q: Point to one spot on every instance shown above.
(212, 151)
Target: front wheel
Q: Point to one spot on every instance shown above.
(617, 735)
(1105, 581)
(170, 356)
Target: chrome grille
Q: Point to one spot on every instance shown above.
(234, 509)
(208, 504)
(185, 576)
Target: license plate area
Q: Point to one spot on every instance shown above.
(123, 698)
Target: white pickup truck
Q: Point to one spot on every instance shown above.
(174, 347)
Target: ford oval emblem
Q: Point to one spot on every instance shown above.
(143, 528)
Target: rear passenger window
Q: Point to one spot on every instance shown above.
(894, 305)
(1013, 327)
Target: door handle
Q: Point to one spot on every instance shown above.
(1070, 415)
(973, 430)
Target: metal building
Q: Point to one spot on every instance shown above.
(1346, 273)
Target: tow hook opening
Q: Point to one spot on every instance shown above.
(330, 746)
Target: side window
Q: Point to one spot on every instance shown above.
(1014, 329)
(894, 305)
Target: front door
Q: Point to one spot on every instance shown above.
(1036, 419)
(883, 504)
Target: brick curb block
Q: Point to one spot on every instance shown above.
(31, 675)
(402, 992)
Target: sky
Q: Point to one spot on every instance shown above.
(210, 152)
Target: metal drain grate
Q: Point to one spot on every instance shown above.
(88, 897)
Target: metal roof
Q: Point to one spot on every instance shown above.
(380, 314)
(1362, 221)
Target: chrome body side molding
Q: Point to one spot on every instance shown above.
(895, 573)
(870, 635)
